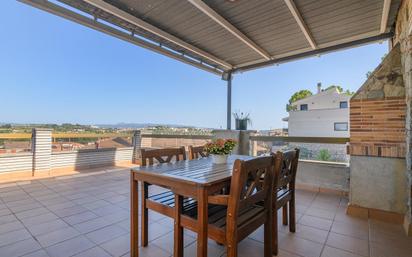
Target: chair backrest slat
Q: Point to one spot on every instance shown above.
(164, 155)
(252, 183)
(196, 152)
(287, 175)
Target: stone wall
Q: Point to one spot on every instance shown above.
(377, 142)
(403, 37)
(378, 110)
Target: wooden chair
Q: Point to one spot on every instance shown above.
(196, 152)
(234, 216)
(284, 193)
(164, 155)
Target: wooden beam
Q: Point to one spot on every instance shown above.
(385, 15)
(321, 50)
(100, 4)
(199, 4)
(301, 22)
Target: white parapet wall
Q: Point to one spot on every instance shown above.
(17, 162)
(378, 183)
(323, 175)
(81, 159)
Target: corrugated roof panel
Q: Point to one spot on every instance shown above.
(182, 19)
(266, 22)
(334, 20)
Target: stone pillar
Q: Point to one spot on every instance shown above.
(137, 146)
(42, 150)
(406, 59)
(245, 145)
(242, 138)
(403, 36)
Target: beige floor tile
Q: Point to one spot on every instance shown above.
(334, 252)
(39, 253)
(70, 247)
(47, 227)
(11, 226)
(347, 243)
(80, 217)
(307, 232)
(154, 251)
(388, 250)
(316, 222)
(166, 242)
(321, 213)
(92, 225)
(300, 246)
(14, 236)
(106, 234)
(118, 246)
(356, 229)
(57, 236)
(20, 248)
(93, 252)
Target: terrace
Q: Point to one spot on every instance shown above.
(63, 201)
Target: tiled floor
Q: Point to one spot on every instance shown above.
(88, 216)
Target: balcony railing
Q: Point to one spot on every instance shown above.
(328, 149)
(324, 162)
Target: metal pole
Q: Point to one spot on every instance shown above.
(229, 101)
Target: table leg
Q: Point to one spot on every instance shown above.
(202, 217)
(145, 214)
(134, 217)
(178, 229)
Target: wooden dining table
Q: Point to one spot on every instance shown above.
(196, 179)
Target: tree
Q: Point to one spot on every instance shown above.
(296, 97)
(340, 89)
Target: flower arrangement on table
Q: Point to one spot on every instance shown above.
(219, 149)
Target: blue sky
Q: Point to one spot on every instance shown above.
(54, 71)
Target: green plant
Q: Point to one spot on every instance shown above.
(324, 155)
(340, 89)
(220, 146)
(296, 97)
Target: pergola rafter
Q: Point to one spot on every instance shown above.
(385, 15)
(204, 8)
(301, 22)
(161, 33)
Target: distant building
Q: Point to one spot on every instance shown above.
(325, 114)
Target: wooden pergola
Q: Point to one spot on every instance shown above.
(224, 37)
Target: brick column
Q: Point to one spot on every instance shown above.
(137, 145)
(42, 150)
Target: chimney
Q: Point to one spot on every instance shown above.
(319, 87)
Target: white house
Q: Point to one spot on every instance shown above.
(325, 114)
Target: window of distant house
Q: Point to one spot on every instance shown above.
(341, 126)
(343, 105)
(303, 107)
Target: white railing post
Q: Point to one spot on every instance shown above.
(137, 145)
(42, 150)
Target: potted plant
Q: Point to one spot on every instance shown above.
(219, 149)
(241, 120)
